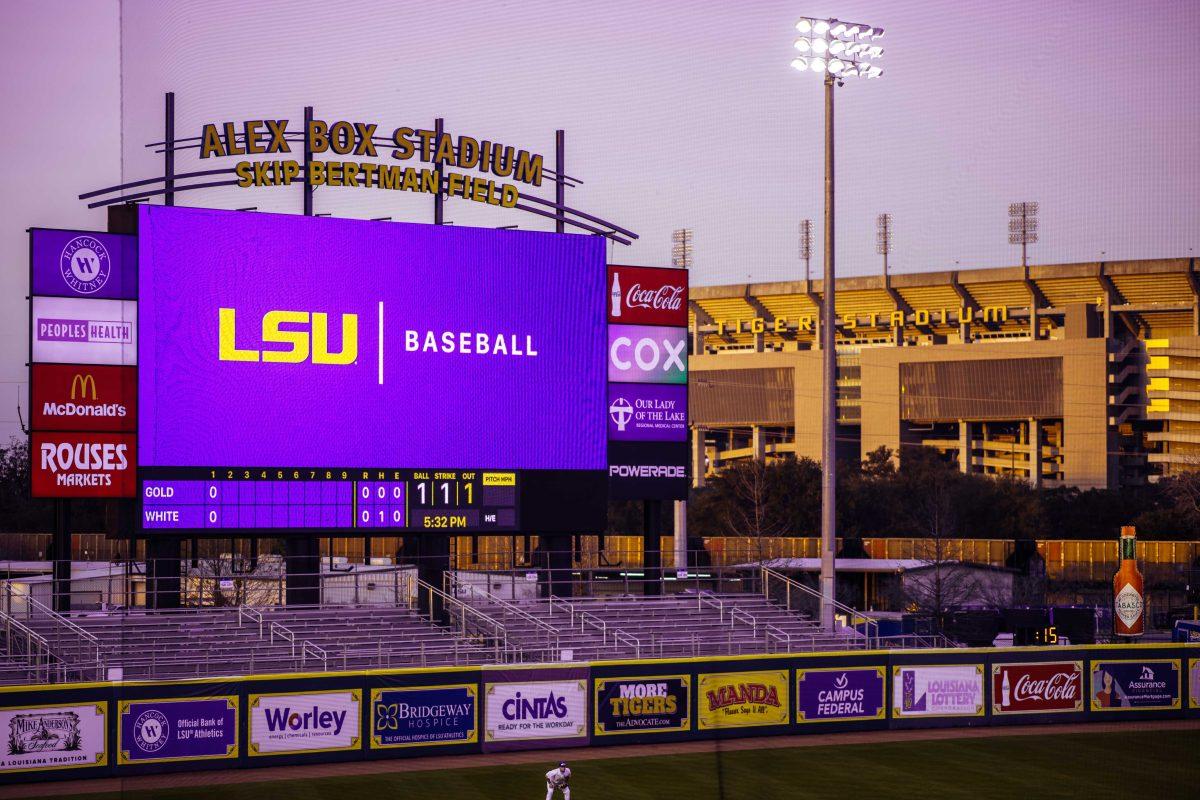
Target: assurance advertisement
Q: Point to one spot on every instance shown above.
(313, 722)
(1037, 688)
(83, 464)
(426, 715)
(1136, 685)
(54, 737)
(536, 710)
(68, 397)
(648, 296)
(952, 690)
(177, 730)
(828, 695)
(742, 699)
(655, 704)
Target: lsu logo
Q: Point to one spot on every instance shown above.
(298, 338)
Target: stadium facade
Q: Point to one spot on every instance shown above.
(1082, 375)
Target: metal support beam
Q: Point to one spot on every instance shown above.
(308, 160)
(439, 214)
(169, 151)
(560, 182)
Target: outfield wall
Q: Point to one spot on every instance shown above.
(138, 727)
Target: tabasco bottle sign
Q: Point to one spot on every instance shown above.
(1129, 606)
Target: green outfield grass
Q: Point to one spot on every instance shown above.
(1146, 764)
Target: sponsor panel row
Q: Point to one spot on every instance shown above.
(529, 708)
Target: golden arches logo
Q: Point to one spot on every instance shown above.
(82, 383)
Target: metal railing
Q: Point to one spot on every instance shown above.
(586, 618)
(547, 635)
(795, 596)
(67, 643)
(469, 623)
(29, 650)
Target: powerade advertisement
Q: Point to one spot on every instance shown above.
(304, 722)
(827, 695)
(177, 730)
(428, 715)
(478, 348)
(938, 691)
(655, 704)
(1135, 685)
(54, 737)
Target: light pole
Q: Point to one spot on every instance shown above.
(836, 50)
(806, 246)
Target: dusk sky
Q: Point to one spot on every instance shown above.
(677, 114)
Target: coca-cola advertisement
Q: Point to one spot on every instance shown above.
(648, 296)
(1038, 688)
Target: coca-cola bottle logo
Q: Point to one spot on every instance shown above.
(664, 298)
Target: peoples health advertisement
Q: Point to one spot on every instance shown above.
(424, 715)
(313, 722)
(536, 710)
(177, 730)
(480, 348)
(54, 737)
(938, 691)
(826, 695)
(1133, 685)
(742, 699)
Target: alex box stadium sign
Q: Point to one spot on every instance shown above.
(83, 464)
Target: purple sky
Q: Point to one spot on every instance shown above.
(677, 114)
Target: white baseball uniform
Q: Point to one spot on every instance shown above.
(557, 779)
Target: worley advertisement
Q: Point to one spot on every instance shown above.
(54, 737)
(304, 723)
(938, 691)
(536, 710)
(1037, 688)
(654, 704)
(827, 695)
(1133, 685)
(424, 715)
(742, 699)
(177, 730)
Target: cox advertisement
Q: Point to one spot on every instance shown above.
(177, 730)
(83, 464)
(828, 695)
(639, 354)
(54, 737)
(83, 264)
(536, 710)
(742, 699)
(648, 296)
(656, 704)
(426, 715)
(479, 348)
(1037, 688)
(938, 691)
(84, 398)
(71, 330)
(313, 722)
(1132, 685)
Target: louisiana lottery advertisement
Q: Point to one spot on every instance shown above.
(304, 723)
(938, 691)
(54, 737)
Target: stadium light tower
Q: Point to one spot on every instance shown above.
(681, 248)
(836, 50)
(806, 246)
(1022, 228)
(883, 238)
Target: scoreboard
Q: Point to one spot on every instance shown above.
(343, 357)
(312, 499)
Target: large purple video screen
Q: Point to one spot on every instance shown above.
(287, 341)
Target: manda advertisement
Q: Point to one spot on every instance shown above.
(177, 730)
(742, 699)
(536, 710)
(938, 691)
(1037, 688)
(1135, 685)
(425, 715)
(825, 695)
(654, 704)
(54, 737)
(304, 723)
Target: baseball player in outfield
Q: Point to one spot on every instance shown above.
(558, 779)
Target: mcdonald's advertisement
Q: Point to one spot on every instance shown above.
(742, 699)
(84, 398)
(457, 347)
(83, 464)
(655, 704)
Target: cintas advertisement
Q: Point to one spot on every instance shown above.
(1037, 688)
(310, 722)
(536, 710)
(83, 464)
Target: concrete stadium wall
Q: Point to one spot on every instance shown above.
(117, 728)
